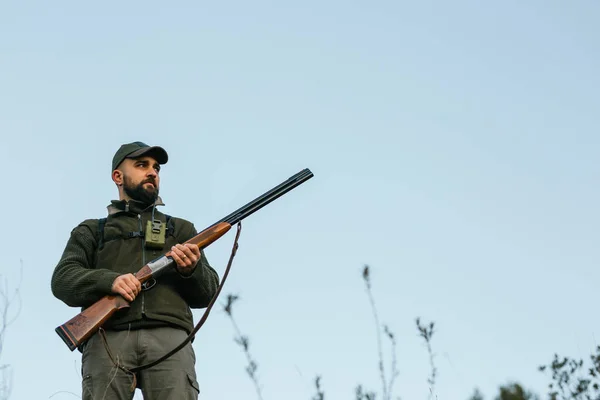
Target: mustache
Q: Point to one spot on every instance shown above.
(149, 180)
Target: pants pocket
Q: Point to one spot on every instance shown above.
(193, 383)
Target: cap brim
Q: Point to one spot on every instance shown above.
(157, 152)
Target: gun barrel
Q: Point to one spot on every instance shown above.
(266, 198)
(86, 323)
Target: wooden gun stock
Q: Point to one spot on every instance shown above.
(78, 329)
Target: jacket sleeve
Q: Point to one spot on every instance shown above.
(75, 281)
(199, 288)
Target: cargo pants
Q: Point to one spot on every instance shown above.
(173, 378)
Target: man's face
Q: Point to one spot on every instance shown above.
(141, 179)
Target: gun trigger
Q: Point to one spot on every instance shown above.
(149, 284)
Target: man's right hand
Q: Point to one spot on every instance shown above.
(127, 286)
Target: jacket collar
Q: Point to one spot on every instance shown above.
(134, 206)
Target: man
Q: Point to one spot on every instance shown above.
(100, 259)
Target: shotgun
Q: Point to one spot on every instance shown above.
(81, 327)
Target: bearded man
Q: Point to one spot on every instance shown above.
(101, 257)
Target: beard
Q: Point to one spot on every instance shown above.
(138, 192)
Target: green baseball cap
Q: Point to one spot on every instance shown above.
(137, 149)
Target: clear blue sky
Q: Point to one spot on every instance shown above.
(455, 150)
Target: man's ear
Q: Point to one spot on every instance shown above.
(117, 177)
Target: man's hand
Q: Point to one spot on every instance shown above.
(127, 286)
(186, 256)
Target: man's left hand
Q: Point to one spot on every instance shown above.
(186, 256)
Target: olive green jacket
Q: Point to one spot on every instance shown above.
(85, 273)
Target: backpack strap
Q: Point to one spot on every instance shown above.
(170, 227)
(100, 233)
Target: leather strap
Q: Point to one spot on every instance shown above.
(132, 371)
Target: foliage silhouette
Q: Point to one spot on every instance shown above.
(387, 380)
(9, 300)
(572, 380)
(244, 342)
(511, 391)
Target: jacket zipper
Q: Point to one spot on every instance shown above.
(143, 259)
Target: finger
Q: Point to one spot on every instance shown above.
(185, 255)
(123, 292)
(192, 253)
(194, 249)
(135, 282)
(177, 256)
(131, 286)
(120, 287)
(124, 287)
(183, 250)
(133, 294)
(189, 256)
(178, 250)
